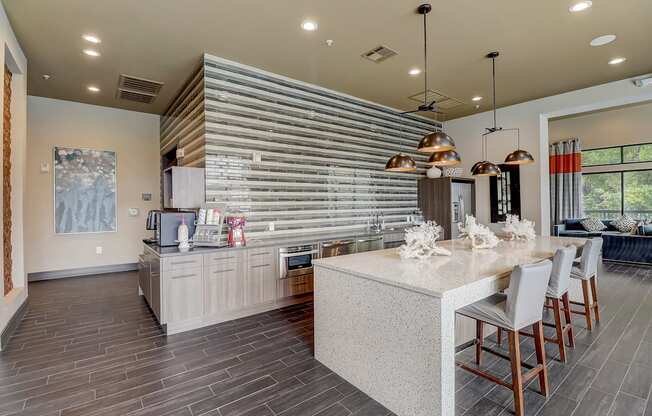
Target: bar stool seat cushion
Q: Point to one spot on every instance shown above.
(490, 310)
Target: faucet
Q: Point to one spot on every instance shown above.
(376, 223)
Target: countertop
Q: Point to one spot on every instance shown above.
(279, 242)
(443, 276)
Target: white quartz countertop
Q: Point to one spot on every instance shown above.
(441, 276)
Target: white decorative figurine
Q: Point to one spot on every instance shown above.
(421, 242)
(480, 235)
(519, 229)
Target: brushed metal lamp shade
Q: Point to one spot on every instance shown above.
(445, 158)
(485, 168)
(519, 157)
(437, 141)
(401, 163)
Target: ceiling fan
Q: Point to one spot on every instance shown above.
(424, 9)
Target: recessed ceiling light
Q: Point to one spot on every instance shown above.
(309, 26)
(93, 88)
(476, 98)
(603, 40)
(580, 6)
(91, 52)
(414, 71)
(46, 76)
(91, 38)
(616, 61)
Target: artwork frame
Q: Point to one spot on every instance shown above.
(85, 192)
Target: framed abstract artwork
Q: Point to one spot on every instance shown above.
(84, 191)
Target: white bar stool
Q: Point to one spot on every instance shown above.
(586, 270)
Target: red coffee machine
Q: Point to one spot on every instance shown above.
(236, 236)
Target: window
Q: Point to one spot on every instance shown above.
(637, 190)
(634, 153)
(609, 194)
(602, 194)
(608, 156)
(637, 153)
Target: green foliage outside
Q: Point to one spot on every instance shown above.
(608, 156)
(639, 153)
(602, 194)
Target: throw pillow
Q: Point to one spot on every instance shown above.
(593, 224)
(624, 224)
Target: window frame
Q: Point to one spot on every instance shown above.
(622, 155)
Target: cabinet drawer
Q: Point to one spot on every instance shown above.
(182, 262)
(229, 256)
(261, 257)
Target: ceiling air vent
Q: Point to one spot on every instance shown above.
(137, 89)
(379, 54)
(443, 101)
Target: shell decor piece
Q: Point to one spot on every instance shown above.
(480, 235)
(421, 242)
(519, 229)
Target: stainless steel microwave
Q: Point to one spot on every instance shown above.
(297, 261)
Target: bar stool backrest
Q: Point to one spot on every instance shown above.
(590, 255)
(527, 292)
(562, 263)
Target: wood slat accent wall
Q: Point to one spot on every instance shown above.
(322, 153)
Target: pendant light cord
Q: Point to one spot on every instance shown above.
(493, 71)
(425, 58)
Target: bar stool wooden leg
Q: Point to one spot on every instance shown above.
(499, 336)
(537, 329)
(517, 378)
(479, 339)
(587, 304)
(594, 292)
(556, 308)
(567, 315)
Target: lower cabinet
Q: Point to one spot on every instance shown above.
(259, 284)
(183, 295)
(223, 288)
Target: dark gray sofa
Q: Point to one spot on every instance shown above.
(617, 246)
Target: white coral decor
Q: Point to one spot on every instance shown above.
(421, 242)
(480, 235)
(519, 229)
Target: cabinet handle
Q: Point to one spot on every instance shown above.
(185, 262)
(259, 266)
(223, 258)
(259, 254)
(155, 274)
(222, 271)
(183, 276)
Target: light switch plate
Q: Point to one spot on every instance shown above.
(180, 153)
(256, 157)
(146, 196)
(45, 167)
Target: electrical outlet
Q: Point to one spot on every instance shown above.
(134, 212)
(98, 250)
(256, 157)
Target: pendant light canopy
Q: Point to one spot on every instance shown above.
(445, 158)
(401, 163)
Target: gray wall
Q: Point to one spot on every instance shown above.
(322, 153)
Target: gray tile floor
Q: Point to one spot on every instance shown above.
(89, 346)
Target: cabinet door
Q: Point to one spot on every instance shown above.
(155, 294)
(143, 278)
(183, 295)
(260, 284)
(223, 288)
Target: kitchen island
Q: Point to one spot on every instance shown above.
(387, 325)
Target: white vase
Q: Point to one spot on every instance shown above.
(433, 172)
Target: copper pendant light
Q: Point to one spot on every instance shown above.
(434, 142)
(401, 163)
(485, 168)
(445, 158)
(519, 156)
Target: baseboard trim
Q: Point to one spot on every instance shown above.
(12, 325)
(83, 271)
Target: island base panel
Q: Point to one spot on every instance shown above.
(395, 345)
